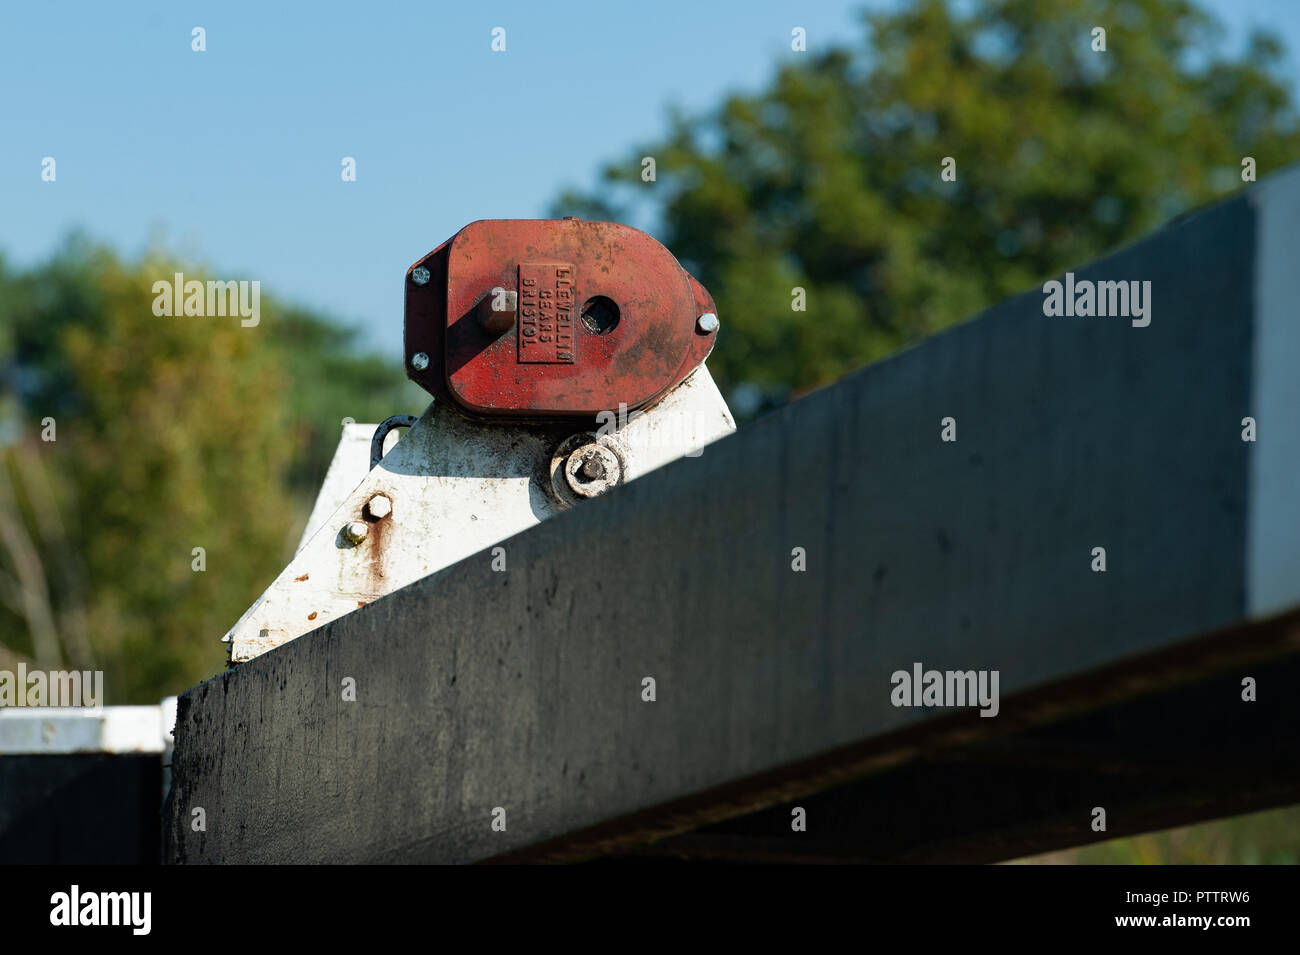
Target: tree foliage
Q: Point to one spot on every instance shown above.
(830, 179)
(170, 434)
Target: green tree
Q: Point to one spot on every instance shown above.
(830, 179)
(170, 434)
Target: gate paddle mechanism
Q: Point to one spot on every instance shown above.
(564, 357)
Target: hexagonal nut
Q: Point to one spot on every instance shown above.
(378, 507)
(355, 531)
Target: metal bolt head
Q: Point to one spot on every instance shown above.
(379, 507)
(583, 467)
(420, 275)
(419, 361)
(356, 531)
(707, 323)
(592, 470)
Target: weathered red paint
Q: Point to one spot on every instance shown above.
(549, 363)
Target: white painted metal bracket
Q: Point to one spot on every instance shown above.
(452, 487)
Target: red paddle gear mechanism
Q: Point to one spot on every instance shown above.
(564, 357)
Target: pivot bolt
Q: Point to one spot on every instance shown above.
(419, 361)
(592, 470)
(356, 531)
(420, 275)
(707, 323)
(583, 467)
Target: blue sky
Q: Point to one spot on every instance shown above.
(232, 156)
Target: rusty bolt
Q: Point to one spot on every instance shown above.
(379, 507)
(356, 531)
(419, 361)
(420, 275)
(592, 470)
(707, 323)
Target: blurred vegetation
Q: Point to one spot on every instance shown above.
(829, 179)
(170, 434)
(176, 433)
(1261, 838)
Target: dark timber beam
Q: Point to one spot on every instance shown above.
(1172, 756)
(523, 690)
